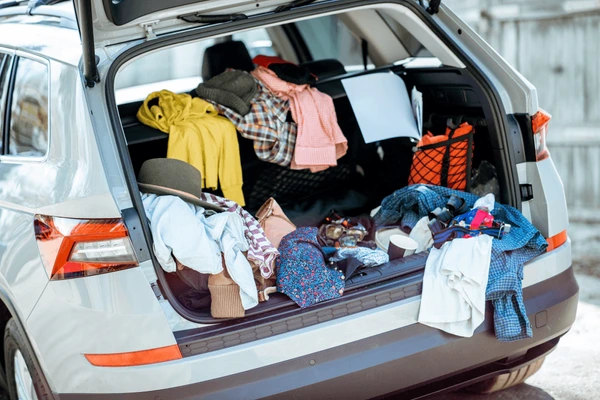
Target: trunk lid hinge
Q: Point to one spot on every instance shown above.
(433, 7)
(148, 27)
(526, 191)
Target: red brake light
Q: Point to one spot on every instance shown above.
(539, 125)
(72, 248)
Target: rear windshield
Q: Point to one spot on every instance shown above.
(328, 37)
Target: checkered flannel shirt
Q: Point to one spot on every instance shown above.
(266, 124)
(260, 252)
(509, 254)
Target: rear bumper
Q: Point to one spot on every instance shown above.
(415, 360)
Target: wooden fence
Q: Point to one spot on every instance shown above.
(556, 46)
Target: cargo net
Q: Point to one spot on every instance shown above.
(444, 160)
(288, 185)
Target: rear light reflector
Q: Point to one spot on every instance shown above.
(72, 248)
(556, 240)
(539, 125)
(133, 358)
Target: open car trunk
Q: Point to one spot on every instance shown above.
(362, 179)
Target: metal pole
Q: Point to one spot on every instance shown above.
(90, 70)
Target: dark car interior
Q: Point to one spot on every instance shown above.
(358, 183)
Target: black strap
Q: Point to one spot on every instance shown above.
(446, 160)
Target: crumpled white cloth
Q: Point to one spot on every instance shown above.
(486, 201)
(422, 235)
(368, 257)
(179, 228)
(182, 230)
(227, 229)
(454, 284)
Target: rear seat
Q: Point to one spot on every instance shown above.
(299, 192)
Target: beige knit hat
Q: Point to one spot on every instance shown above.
(225, 296)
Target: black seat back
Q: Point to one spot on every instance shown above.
(219, 57)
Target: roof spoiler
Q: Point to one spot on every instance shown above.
(83, 11)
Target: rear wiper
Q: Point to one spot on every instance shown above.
(212, 19)
(293, 4)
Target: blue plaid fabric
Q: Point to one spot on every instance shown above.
(509, 254)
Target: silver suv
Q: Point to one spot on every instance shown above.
(87, 311)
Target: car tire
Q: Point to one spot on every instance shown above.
(505, 381)
(15, 344)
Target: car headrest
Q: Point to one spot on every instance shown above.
(324, 69)
(219, 57)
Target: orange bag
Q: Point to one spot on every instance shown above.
(444, 160)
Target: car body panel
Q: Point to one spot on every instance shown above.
(22, 274)
(143, 325)
(61, 45)
(102, 314)
(70, 174)
(376, 365)
(547, 210)
(72, 169)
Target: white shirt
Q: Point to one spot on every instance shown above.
(182, 230)
(454, 284)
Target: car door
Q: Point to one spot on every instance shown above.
(24, 182)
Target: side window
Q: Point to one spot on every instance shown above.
(178, 68)
(28, 135)
(257, 42)
(328, 37)
(4, 68)
(184, 61)
(163, 65)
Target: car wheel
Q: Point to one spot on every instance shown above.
(505, 381)
(24, 380)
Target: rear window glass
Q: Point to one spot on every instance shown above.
(29, 110)
(328, 37)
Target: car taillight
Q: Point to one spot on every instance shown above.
(72, 248)
(539, 125)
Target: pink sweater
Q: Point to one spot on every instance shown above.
(320, 140)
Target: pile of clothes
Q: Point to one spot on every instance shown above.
(216, 238)
(314, 263)
(475, 254)
(477, 249)
(203, 127)
(235, 259)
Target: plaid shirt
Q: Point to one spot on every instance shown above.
(509, 254)
(261, 252)
(266, 124)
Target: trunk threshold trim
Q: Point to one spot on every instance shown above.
(308, 317)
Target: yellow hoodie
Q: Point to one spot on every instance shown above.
(200, 137)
